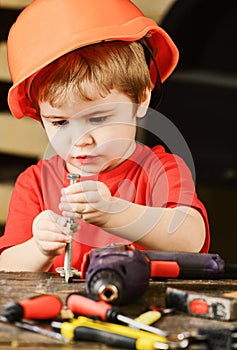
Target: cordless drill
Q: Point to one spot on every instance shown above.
(120, 273)
(116, 273)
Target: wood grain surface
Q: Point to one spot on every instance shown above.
(20, 286)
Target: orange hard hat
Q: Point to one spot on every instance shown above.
(47, 29)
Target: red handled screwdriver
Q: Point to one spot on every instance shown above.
(45, 306)
(41, 307)
(85, 306)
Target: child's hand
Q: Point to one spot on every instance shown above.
(50, 233)
(87, 200)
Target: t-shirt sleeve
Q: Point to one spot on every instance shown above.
(174, 186)
(25, 204)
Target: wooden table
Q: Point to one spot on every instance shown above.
(19, 286)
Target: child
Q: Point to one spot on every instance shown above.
(83, 70)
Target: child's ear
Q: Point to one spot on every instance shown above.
(143, 106)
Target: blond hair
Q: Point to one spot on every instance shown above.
(110, 65)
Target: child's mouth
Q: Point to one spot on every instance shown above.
(86, 159)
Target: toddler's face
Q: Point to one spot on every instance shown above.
(91, 136)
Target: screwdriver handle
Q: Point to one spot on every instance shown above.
(117, 340)
(148, 317)
(85, 306)
(45, 306)
(84, 328)
(107, 338)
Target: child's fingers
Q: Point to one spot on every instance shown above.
(59, 220)
(74, 208)
(51, 226)
(85, 197)
(71, 215)
(54, 248)
(50, 236)
(92, 217)
(83, 186)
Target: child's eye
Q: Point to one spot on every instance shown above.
(98, 120)
(60, 122)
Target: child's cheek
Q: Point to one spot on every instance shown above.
(62, 143)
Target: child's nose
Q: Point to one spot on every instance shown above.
(84, 140)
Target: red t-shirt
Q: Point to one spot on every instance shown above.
(149, 177)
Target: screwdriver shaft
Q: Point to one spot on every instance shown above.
(34, 328)
(133, 323)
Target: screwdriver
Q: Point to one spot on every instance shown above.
(84, 328)
(85, 306)
(153, 315)
(211, 338)
(45, 306)
(148, 317)
(41, 307)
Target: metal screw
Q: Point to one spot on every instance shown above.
(67, 271)
(72, 224)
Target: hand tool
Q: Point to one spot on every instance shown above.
(167, 264)
(67, 271)
(163, 311)
(148, 317)
(153, 314)
(84, 328)
(120, 273)
(82, 305)
(189, 265)
(41, 307)
(221, 307)
(34, 328)
(211, 338)
(184, 265)
(45, 306)
(117, 273)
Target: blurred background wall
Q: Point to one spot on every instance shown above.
(22, 142)
(199, 98)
